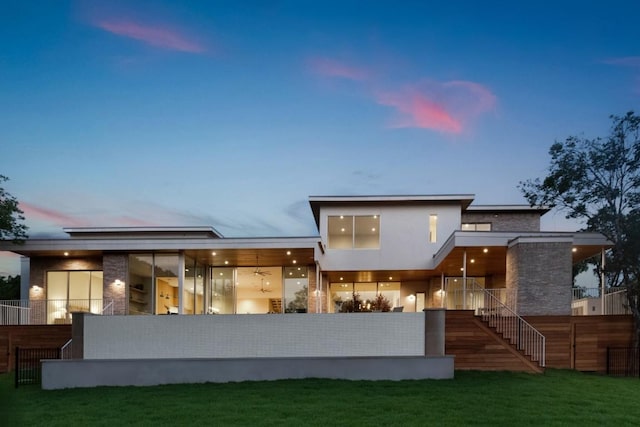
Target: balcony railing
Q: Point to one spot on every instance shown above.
(50, 312)
(588, 301)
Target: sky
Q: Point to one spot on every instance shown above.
(231, 114)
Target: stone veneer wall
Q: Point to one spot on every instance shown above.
(525, 221)
(115, 267)
(541, 272)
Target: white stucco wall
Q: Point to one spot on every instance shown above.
(259, 335)
(404, 237)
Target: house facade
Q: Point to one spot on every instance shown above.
(372, 253)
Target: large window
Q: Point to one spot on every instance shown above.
(69, 291)
(364, 296)
(153, 284)
(354, 232)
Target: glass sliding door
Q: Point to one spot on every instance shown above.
(220, 295)
(140, 284)
(193, 290)
(296, 290)
(166, 268)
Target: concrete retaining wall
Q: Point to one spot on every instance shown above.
(58, 374)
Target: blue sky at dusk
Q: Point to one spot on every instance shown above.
(230, 114)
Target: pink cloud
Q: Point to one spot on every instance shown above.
(50, 215)
(420, 112)
(332, 68)
(155, 36)
(443, 107)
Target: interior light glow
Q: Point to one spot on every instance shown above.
(373, 229)
(341, 216)
(342, 229)
(574, 249)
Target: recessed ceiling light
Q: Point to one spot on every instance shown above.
(574, 249)
(485, 250)
(375, 216)
(341, 216)
(294, 261)
(213, 253)
(298, 268)
(291, 273)
(390, 277)
(288, 252)
(373, 229)
(472, 260)
(342, 229)
(66, 254)
(341, 278)
(461, 268)
(226, 262)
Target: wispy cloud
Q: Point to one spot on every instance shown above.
(444, 107)
(332, 68)
(51, 216)
(156, 36)
(447, 107)
(625, 61)
(417, 111)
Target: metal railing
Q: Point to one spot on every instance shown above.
(14, 312)
(29, 364)
(50, 312)
(587, 301)
(623, 362)
(475, 297)
(491, 307)
(66, 351)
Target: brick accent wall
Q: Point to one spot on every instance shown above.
(115, 267)
(525, 221)
(541, 272)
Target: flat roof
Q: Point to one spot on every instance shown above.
(147, 232)
(508, 208)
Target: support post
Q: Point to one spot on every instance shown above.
(434, 331)
(464, 279)
(602, 303)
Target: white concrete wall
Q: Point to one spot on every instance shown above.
(259, 335)
(404, 237)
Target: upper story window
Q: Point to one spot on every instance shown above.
(354, 232)
(433, 228)
(476, 226)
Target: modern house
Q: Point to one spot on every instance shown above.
(372, 253)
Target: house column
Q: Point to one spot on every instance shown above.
(602, 282)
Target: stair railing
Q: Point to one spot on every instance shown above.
(511, 326)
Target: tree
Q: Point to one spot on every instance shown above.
(11, 216)
(9, 287)
(598, 181)
(301, 296)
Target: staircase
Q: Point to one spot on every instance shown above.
(276, 305)
(511, 327)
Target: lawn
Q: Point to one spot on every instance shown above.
(478, 398)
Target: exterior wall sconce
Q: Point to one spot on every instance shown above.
(412, 297)
(118, 282)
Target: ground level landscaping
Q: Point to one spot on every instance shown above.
(478, 398)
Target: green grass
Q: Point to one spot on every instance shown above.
(477, 398)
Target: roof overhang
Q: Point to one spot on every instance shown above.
(203, 232)
(508, 209)
(488, 249)
(236, 251)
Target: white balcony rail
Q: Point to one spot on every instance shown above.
(474, 297)
(588, 301)
(491, 306)
(14, 312)
(43, 312)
